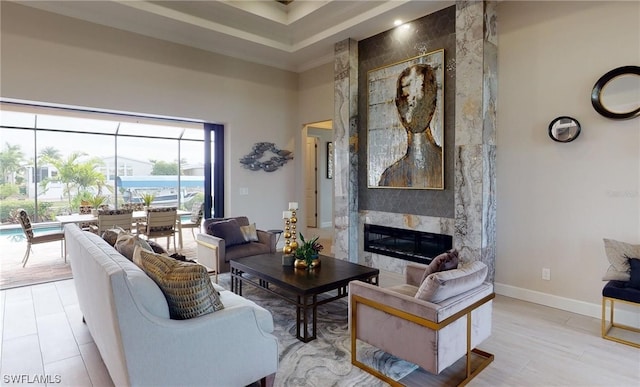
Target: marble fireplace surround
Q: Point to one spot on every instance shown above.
(401, 221)
(473, 225)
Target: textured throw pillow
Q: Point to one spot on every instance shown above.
(156, 247)
(634, 275)
(229, 230)
(186, 286)
(618, 254)
(126, 244)
(439, 286)
(249, 233)
(111, 236)
(445, 261)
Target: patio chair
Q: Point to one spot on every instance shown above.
(32, 239)
(113, 219)
(197, 212)
(161, 222)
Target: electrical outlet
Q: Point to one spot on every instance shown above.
(244, 191)
(546, 274)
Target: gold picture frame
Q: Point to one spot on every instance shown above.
(405, 124)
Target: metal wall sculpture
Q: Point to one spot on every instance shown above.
(254, 162)
(405, 124)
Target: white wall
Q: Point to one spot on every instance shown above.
(51, 58)
(557, 201)
(316, 89)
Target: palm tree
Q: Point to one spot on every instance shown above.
(50, 153)
(11, 158)
(66, 171)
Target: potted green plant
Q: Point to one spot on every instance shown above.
(307, 253)
(147, 199)
(96, 201)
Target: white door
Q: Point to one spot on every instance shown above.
(311, 182)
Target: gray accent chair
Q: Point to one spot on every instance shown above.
(215, 255)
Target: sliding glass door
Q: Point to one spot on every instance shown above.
(54, 163)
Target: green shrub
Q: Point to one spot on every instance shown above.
(9, 208)
(7, 190)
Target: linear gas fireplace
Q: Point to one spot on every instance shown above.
(410, 245)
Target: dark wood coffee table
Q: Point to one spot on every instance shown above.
(299, 286)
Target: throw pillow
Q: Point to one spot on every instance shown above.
(186, 286)
(249, 233)
(126, 244)
(439, 286)
(111, 236)
(445, 261)
(618, 254)
(229, 230)
(156, 247)
(634, 275)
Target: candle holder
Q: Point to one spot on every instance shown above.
(290, 234)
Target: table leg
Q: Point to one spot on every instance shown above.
(302, 318)
(179, 233)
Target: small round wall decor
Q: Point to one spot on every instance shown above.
(255, 161)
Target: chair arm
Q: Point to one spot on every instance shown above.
(268, 239)
(211, 251)
(414, 273)
(389, 298)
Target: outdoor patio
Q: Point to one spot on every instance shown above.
(46, 263)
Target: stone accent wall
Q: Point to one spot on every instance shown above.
(345, 203)
(476, 96)
(473, 224)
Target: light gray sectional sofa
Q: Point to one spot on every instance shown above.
(128, 317)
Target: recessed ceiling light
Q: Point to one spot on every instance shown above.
(397, 22)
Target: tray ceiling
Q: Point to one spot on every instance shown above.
(295, 36)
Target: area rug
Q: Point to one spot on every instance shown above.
(325, 361)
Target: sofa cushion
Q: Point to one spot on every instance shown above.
(246, 250)
(439, 286)
(186, 286)
(229, 230)
(618, 254)
(249, 233)
(445, 261)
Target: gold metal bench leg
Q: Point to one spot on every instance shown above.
(607, 325)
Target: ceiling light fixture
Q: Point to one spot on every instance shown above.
(397, 22)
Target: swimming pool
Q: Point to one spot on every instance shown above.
(13, 232)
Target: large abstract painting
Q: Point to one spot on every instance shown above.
(405, 124)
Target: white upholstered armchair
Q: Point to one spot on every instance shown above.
(432, 322)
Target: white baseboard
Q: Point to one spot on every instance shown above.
(623, 314)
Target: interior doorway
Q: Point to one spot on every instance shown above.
(318, 207)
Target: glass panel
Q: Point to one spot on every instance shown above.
(128, 128)
(17, 119)
(149, 166)
(192, 173)
(73, 170)
(193, 134)
(17, 187)
(74, 124)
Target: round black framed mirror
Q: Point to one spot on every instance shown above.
(564, 129)
(616, 95)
